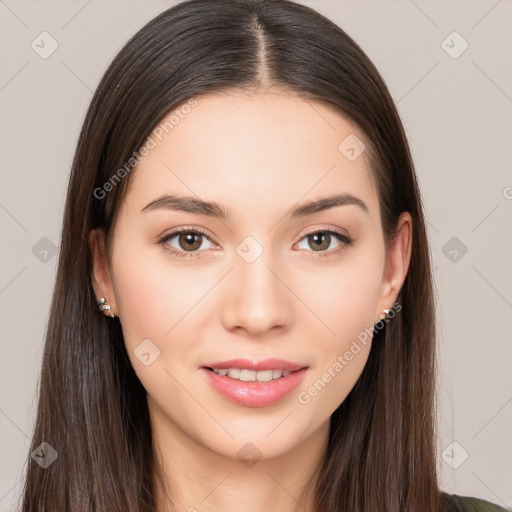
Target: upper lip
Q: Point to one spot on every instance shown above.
(265, 364)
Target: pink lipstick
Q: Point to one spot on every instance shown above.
(275, 378)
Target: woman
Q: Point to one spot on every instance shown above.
(243, 315)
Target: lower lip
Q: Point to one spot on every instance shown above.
(254, 394)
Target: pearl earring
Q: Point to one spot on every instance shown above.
(105, 306)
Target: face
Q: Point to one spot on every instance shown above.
(263, 281)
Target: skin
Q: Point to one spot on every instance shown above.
(258, 155)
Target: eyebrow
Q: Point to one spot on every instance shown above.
(212, 209)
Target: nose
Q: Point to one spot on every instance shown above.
(257, 298)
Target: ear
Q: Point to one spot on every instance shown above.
(397, 264)
(100, 274)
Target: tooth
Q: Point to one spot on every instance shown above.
(276, 374)
(264, 375)
(251, 375)
(247, 375)
(234, 373)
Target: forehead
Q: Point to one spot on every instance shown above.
(265, 150)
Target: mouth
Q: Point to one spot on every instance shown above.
(254, 371)
(254, 383)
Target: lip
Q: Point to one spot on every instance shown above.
(265, 364)
(254, 394)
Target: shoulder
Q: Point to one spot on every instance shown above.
(456, 503)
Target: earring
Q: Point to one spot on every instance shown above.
(105, 306)
(385, 315)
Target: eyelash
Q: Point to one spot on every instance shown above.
(345, 240)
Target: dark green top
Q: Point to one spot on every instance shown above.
(471, 504)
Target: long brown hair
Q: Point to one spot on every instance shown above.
(92, 408)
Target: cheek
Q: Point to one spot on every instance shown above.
(152, 293)
(343, 298)
(342, 351)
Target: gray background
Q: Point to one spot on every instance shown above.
(457, 114)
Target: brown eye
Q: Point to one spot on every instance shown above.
(190, 241)
(185, 242)
(319, 241)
